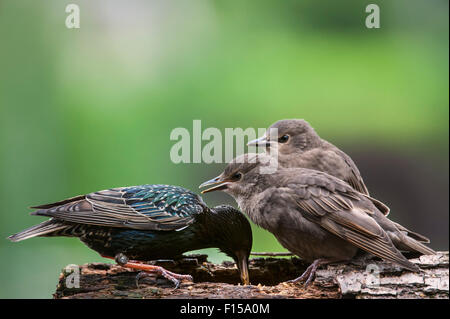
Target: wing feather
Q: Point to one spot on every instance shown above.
(344, 213)
(146, 207)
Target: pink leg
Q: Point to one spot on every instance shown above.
(175, 278)
(134, 264)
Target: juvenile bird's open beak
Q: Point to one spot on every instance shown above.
(219, 181)
(259, 142)
(242, 265)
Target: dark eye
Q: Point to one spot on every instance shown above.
(237, 176)
(283, 139)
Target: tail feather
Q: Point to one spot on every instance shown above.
(406, 243)
(44, 228)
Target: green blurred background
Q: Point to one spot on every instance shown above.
(92, 108)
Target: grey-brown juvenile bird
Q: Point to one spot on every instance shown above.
(314, 215)
(298, 145)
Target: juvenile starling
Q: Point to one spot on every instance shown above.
(314, 215)
(148, 222)
(298, 145)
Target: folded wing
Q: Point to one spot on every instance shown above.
(146, 207)
(347, 214)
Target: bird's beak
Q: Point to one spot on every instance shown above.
(259, 142)
(242, 265)
(220, 183)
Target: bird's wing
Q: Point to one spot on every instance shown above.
(382, 207)
(344, 213)
(146, 207)
(355, 179)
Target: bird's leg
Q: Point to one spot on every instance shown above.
(175, 278)
(309, 273)
(123, 261)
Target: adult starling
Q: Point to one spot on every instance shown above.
(313, 214)
(298, 145)
(148, 222)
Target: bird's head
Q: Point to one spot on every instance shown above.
(234, 237)
(241, 176)
(288, 136)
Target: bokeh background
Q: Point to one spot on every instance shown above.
(92, 108)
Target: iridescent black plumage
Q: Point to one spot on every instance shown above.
(146, 222)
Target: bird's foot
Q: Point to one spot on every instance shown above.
(147, 269)
(309, 273)
(175, 278)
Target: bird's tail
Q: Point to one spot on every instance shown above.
(403, 241)
(42, 229)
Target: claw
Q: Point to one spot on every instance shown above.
(309, 273)
(141, 275)
(147, 269)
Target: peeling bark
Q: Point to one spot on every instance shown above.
(361, 279)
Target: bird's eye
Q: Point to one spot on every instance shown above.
(237, 176)
(283, 139)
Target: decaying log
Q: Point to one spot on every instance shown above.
(361, 279)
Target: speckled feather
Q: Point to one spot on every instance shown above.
(150, 207)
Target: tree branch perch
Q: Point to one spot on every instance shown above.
(362, 279)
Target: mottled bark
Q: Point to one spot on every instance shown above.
(363, 279)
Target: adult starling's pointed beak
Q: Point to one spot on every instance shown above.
(221, 184)
(259, 142)
(242, 265)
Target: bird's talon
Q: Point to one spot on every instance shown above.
(141, 275)
(308, 282)
(295, 281)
